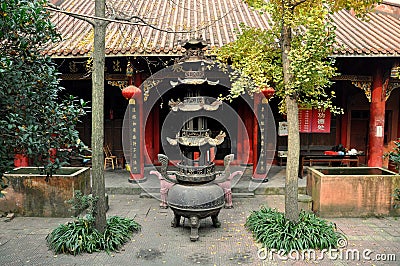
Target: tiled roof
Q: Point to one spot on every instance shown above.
(217, 21)
(378, 35)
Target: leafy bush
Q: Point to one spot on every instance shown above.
(274, 231)
(35, 119)
(82, 202)
(396, 196)
(3, 185)
(81, 235)
(394, 154)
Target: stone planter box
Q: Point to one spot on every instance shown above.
(28, 193)
(352, 191)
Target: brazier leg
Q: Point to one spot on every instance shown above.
(215, 221)
(163, 195)
(194, 224)
(228, 199)
(176, 221)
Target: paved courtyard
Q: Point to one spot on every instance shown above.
(22, 240)
(371, 241)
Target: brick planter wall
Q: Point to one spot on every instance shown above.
(31, 195)
(352, 195)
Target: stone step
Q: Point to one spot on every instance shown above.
(243, 195)
(145, 194)
(264, 190)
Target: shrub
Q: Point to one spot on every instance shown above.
(394, 154)
(274, 231)
(81, 235)
(396, 196)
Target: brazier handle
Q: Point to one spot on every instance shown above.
(163, 159)
(227, 171)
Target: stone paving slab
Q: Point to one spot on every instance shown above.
(22, 240)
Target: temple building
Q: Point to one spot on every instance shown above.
(154, 53)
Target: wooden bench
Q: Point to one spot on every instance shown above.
(342, 160)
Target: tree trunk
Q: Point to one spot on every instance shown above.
(292, 168)
(98, 116)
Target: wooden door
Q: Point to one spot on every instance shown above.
(359, 132)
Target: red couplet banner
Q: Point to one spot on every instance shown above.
(305, 120)
(314, 121)
(321, 121)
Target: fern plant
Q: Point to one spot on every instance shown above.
(274, 231)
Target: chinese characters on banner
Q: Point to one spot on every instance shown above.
(305, 117)
(321, 121)
(262, 114)
(135, 126)
(314, 121)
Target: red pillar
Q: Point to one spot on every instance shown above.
(343, 122)
(149, 138)
(377, 121)
(246, 137)
(240, 139)
(257, 101)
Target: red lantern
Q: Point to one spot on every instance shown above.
(268, 91)
(131, 92)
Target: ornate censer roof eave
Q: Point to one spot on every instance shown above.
(186, 107)
(194, 141)
(193, 81)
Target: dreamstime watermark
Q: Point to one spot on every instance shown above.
(340, 253)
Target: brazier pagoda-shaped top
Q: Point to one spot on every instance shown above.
(195, 193)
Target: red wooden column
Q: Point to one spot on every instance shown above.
(245, 136)
(240, 139)
(149, 138)
(376, 121)
(152, 137)
(343, 122)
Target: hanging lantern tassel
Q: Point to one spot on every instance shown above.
(268, 91)
(131, 92)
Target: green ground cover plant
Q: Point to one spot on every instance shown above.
(81, 235)
(274, 231)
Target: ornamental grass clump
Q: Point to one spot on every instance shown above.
(274, 231)
(81, 236)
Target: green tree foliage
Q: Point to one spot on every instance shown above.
(33, 120)
(292, 56)
(257, 53)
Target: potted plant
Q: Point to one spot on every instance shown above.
(394, 157)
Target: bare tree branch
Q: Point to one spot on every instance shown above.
(298, 3)
(129, 20)
(86, 18)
